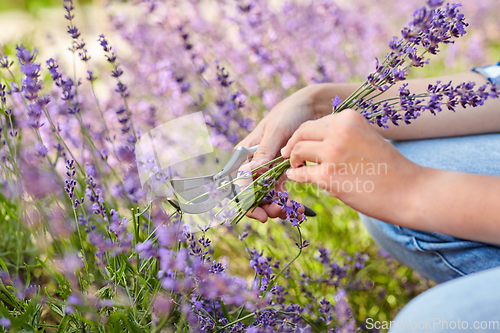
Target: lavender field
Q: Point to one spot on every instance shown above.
(84, 247)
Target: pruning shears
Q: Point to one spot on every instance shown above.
(193, 189)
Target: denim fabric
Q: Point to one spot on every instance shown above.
(437, 256)
(470, 299)
(470, 303)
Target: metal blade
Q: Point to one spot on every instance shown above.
(190, 188)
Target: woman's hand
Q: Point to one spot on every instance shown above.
(354, 164)
(273, 132)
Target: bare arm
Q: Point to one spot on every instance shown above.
(482, 119)
(403, 193)
(455, 203)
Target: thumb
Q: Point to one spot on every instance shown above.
(268, 149)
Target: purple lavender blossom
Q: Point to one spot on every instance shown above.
(70, 182)
(121, 88)
(5, 62)
(5, 322)
(217, 268)
(292, 212)
(325, 310)
(262, 267)
(430, 27)
(31, 85)
(324, 257)
(78, 44)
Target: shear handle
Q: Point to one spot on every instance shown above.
(240, 155)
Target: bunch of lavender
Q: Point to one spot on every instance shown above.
(432, 25)
(274, 50)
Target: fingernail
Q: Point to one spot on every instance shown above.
(289, 171)
(281, 151)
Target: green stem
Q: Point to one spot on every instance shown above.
(235, 322)
(269, 286)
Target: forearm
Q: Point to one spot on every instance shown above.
(482, 119)
(453, 203)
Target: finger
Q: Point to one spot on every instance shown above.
(306, 151)
(273, 210)
(268, 149)
(245, 177)
(253, 138)
(308, 131)
(281, 184)
(305, 174)
(301, 211)
(258, 214)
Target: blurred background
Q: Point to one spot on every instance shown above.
(40, 22)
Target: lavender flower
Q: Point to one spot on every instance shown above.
(440, 95)
(279, 293)
(122, 89)
(5, 62)
(343, 312)
(145, 249)
(266, 318)
(262, 267)
(292, 212)
(175, 275)
(324, 257)
(94, 193)
(31, 85)
(71, 182)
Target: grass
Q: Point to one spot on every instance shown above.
(378, 291)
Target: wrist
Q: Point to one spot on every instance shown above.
(417, 186)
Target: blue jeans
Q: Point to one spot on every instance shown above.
(437, 256)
